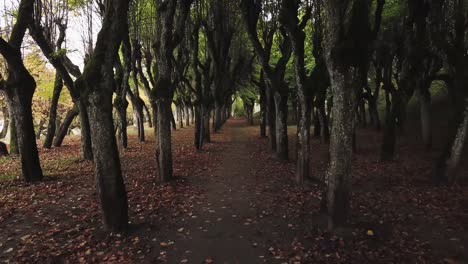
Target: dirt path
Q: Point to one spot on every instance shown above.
(223, 228)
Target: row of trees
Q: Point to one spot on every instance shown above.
(328, 59)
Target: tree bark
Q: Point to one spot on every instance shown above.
(281, 106)
(163, 140)
(86, 148)
(21, 102)
(6, 122)
(107, 162)
(97, 83)
(341, 141)
(263, 106)
(62, 132)
(425, 111)
(271, 118)
(51, 127)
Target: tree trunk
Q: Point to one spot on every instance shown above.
(14, 148)
(425, 111)
(263, 107)
(199, 120)
(206, 126)
(281, 106)
(389, 135)
(303, 139)
(339, 171)
(21, 102)
(374, 114)
(271, 118)
(317, 124)
(6, 122)
(172, 120)
(51, 127)
(40, 127)
(108, 172)
(163, 140)
(187, 116)
(323, 119)
(62, 132)
(450, 158)
(180, 116)
(218, 117)
(121, 105)
(86, 148)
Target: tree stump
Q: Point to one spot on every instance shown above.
(3, 149)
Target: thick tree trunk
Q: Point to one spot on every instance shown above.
(425, 111)
(281, 106)
(21, 102)
(339, 171)
(62, 132)
(163, 140)
(108, 172)
(52, 125)
(86, 149)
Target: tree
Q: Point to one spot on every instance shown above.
(65, 67)
(289, 18)
(169, 34)
(277, 85)
(343, 50)
(19, 87)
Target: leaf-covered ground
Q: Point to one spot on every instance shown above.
(234, 202)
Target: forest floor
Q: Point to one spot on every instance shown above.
(234, 202)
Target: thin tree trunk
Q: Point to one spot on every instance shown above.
(206, 127)
(6, 122)
(389, 134)
(324, 131)
(62, 132)
(425, 111)
(40, 127)
(281, 106)
(271, 118)
(51, 127)
(199, 120)
(263, 107)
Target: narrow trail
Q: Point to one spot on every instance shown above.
(224, 228)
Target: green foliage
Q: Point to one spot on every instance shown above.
(238, 107)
